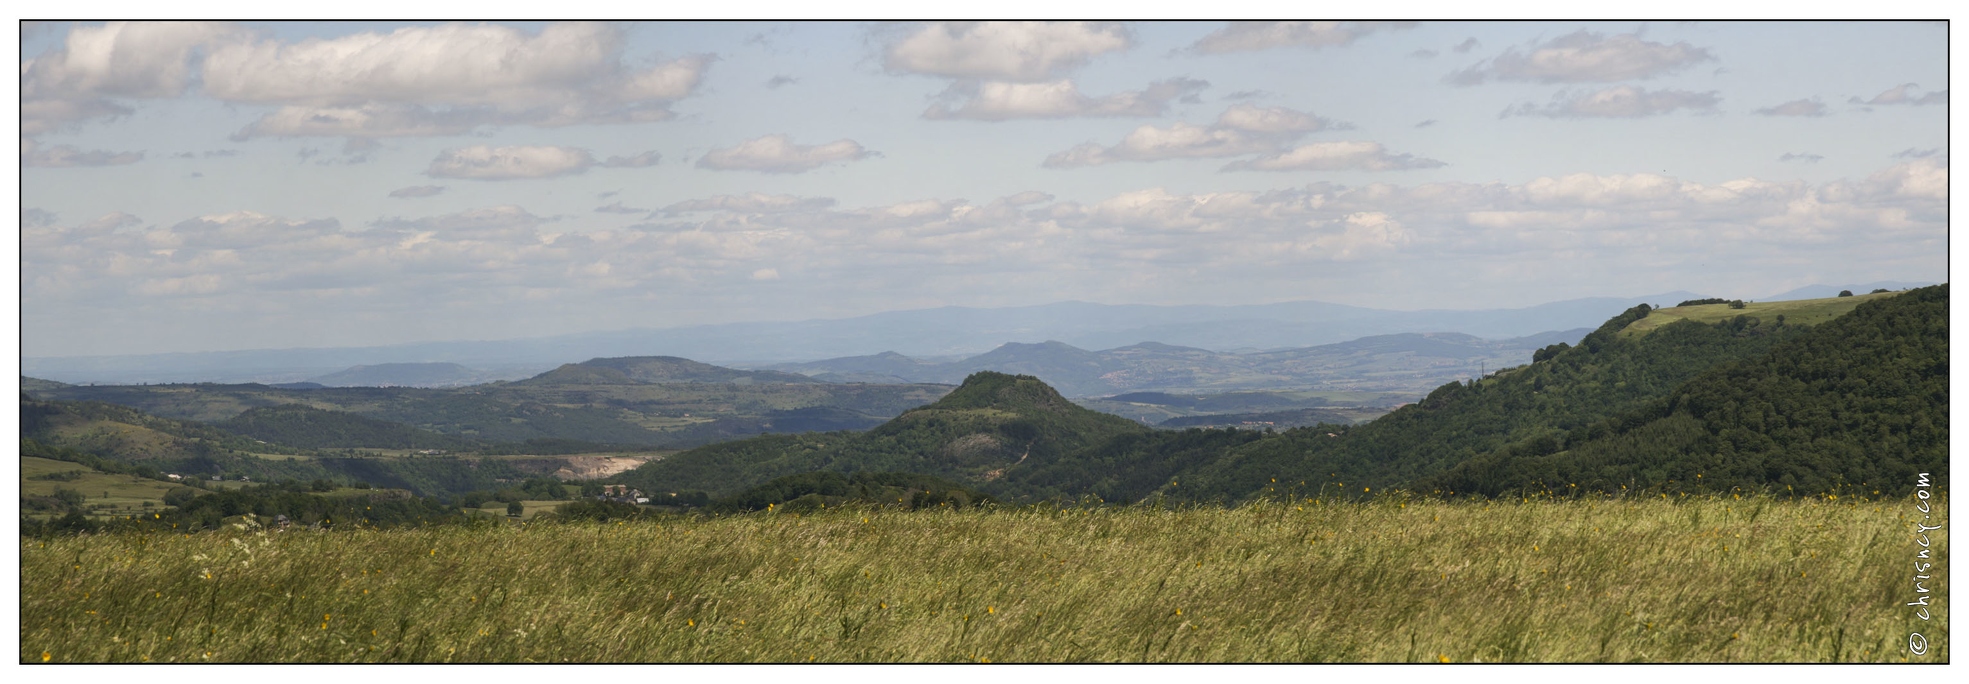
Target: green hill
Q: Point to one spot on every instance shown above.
(990, 423)
(656, 369)
(1862, 399)
(1529, 408)
(307, 427)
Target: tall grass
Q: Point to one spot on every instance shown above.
(1710, 580)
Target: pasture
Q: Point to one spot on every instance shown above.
(1389, 580)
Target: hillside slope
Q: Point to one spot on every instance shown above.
(1861, 400)
(990, 423)
(656, 369)
(1530, 409)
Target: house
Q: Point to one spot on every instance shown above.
(623, 493)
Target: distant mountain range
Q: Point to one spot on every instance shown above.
(1407, 362)
(947, 332)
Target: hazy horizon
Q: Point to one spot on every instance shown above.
(208, 186)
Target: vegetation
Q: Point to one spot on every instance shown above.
(304, 426)
(1862, 400)
(991, 422)
(608, 407)
(1804, 312)
(1394, 580)
(809, 491)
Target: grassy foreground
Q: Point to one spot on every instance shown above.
(1713, 580)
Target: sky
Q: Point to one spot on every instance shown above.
(214, 186)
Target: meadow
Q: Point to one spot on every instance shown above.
(1796, 312)
(1392, 579)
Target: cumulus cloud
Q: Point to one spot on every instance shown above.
(34, 154)
(1335, 156)
(781, 80)
(32, 217)
(632, 162)
(999, 101)
(416, 191)
(484, 162)
(1912, 153)
(1021, 51)
(617, 208)
(1618, 102)
(1245, 36)
(500, 258)
(1801, 157)
(1585, 57)
(447, 79)
(779, 154)
(1805, 107)
(1466, 46)
(1904, 94)
(95, 65)
(1242, 129)
(750, 203)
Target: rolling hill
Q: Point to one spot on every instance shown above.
(645, 401)
(990, 423)
(1859, 397)
(1410, 363)
(945, 331)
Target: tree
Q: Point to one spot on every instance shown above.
(515, 509)
(1845, 293)
(179, 496)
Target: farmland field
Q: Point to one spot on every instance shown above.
(1389, 580)
(105, 494)
(1797, 312)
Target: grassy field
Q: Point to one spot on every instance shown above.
(1798, 312)
(1710, 580)
(497, 511)
(105, 494)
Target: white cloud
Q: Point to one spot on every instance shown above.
(34, 154)
(447, 79)
(633, 162)
(1618, 102)
(1585, 57)
(999, 101)
(74, 82)
(1801, 157)
(33, 217)
(1244, 36)
(483, 162)
(1335, 156)
(494, 259)
(1024, 51)
(1904, 94)
(1243, 129)
(766, 274)
(417, 191)
(618, 208)
(779, 154)
(751, 203)
(1806, 107)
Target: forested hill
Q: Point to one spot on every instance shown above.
(1746, 400)
(1531, 409)
(1861, 401)
(992, 423)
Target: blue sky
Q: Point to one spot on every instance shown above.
(227, 186)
